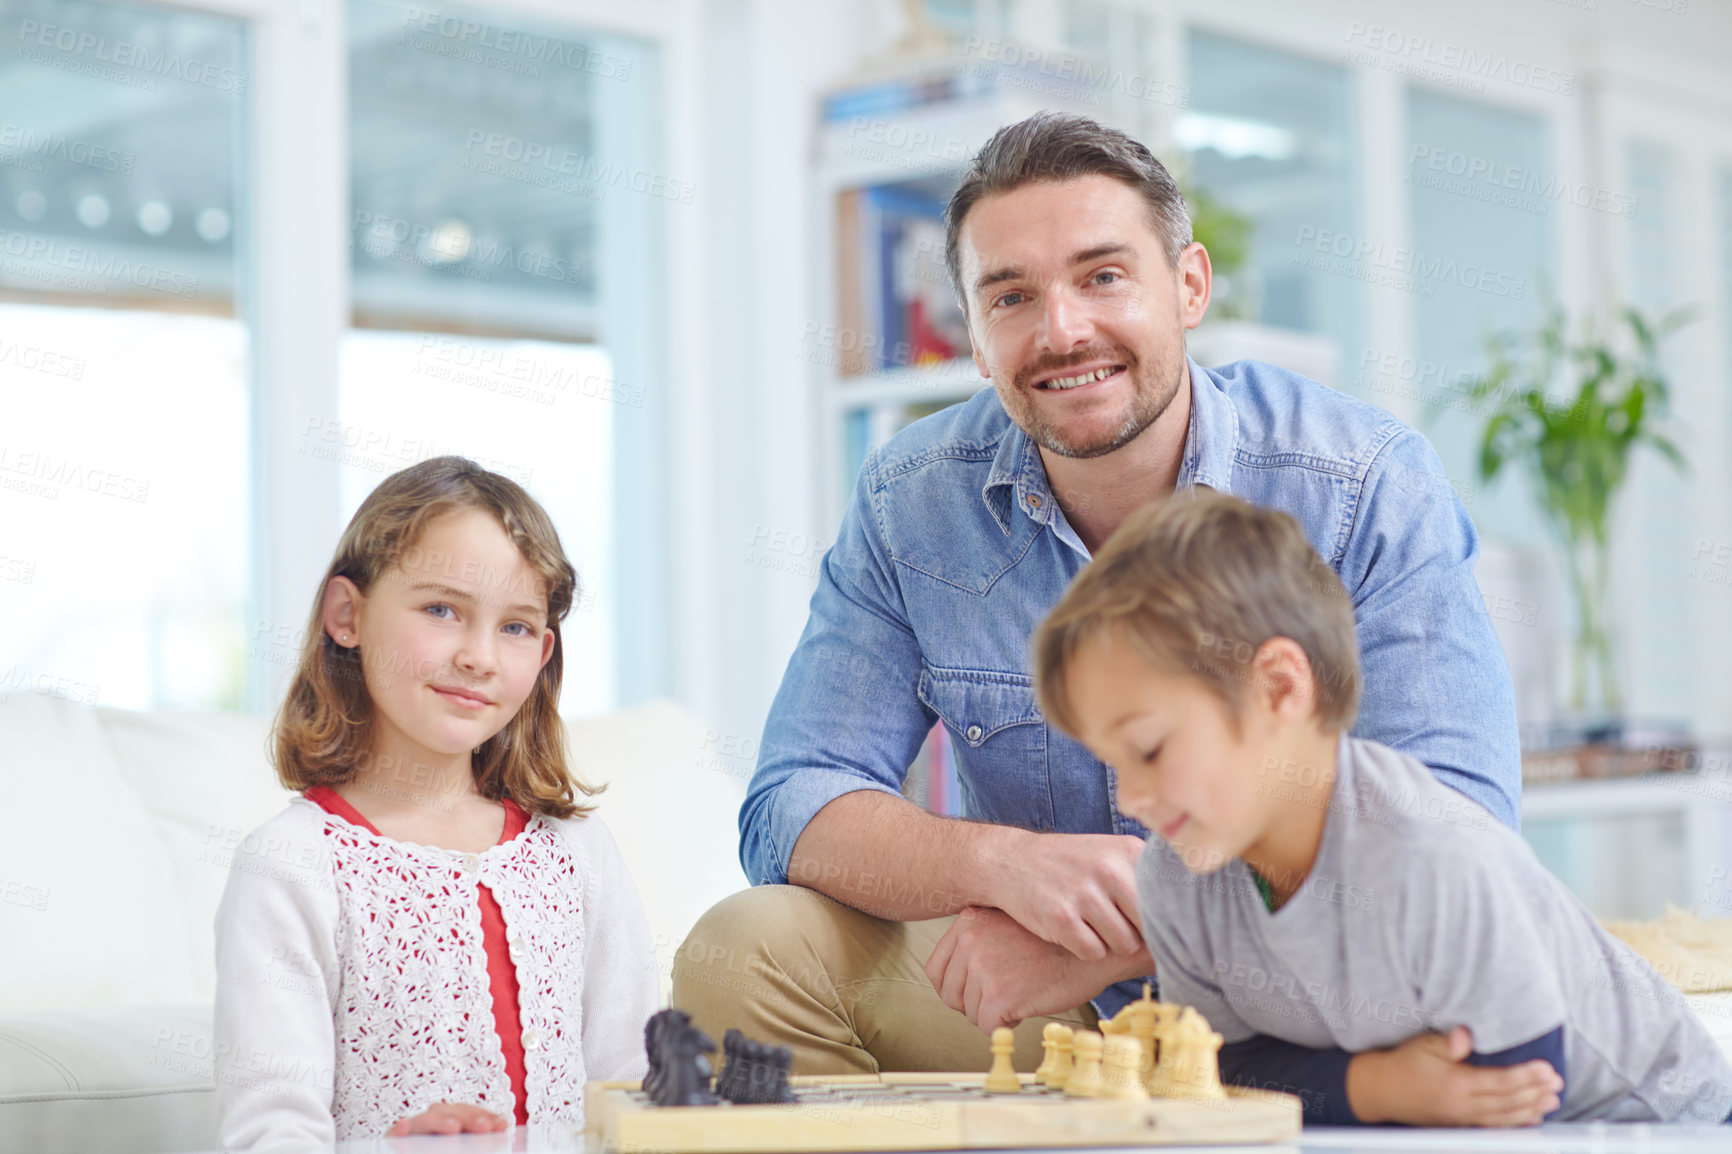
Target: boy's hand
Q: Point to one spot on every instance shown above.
(448, 1118)
(1425, 1082)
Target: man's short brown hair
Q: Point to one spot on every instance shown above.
(1059, 146)
(1195, 584)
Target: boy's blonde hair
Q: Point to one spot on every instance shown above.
(324, 729)
(1195, 584)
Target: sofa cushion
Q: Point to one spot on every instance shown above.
(672, 802)
(115, 1080)
(206, 783)
(91, 908)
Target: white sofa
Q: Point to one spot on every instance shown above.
(115, 836)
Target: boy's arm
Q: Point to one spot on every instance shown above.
(1317, 1077)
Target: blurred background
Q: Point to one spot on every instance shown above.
(676, 265)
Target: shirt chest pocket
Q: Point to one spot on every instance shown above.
(999, 738)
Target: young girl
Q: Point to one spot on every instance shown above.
(436, 936)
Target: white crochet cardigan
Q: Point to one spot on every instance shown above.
(352, 985)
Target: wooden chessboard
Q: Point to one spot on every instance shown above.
(929, 1112)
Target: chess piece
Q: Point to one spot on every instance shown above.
(1048, 1053)
(1060, 1039)
(1159, 1078)
(756, 1073)
(1121, 1070)
(655, 1033)
(1085, 1080)
(1002, 1079)
(686, 1070)
(1196, 1063)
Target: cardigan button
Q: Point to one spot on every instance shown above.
(472, 862)
(531, 1039)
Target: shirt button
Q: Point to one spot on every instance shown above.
(1034, 500)
(532, 1039)
(974, 732)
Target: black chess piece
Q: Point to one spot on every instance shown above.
(655, 1034)
(756, 1073)
(686, 1070)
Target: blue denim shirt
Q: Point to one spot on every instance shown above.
(953, 549)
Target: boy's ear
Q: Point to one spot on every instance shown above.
(341, 614)
(1283, 678)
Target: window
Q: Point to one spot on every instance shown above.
(1271, 136)
(504, 197)
(124, 364)
(1483, 224)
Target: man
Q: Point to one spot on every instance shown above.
(1070, 249)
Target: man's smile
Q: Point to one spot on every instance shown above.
(1069, 379)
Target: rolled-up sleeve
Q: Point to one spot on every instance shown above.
(847, 716)
(1436, 684)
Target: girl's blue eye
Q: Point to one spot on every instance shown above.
(526, 630)
(437, 606)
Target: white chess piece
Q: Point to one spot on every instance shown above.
(1002, 1078)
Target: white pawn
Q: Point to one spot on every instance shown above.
(1085, 1080)
(1002, 1078)
(1059, 1037)
(1121, 1074)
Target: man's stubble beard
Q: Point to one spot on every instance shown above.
(1146, 407)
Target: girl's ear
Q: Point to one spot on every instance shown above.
(548, 641)
(341, 615)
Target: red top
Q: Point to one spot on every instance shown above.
(501, 974)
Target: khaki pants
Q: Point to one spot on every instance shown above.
(847, 992)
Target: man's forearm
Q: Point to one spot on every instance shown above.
(887, 857)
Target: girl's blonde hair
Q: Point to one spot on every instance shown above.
(324, 729)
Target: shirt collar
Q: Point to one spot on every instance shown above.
(1212, 440)
(1018, 478)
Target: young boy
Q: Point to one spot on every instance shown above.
(1357, 931)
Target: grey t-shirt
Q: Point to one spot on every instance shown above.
(1424, 913)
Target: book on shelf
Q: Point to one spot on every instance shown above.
(893, 294)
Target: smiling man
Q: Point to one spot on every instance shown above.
(883, 937)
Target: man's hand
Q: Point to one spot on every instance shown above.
(996, 973)
(1424, 1082)
(448, 1118)
(1078, 891)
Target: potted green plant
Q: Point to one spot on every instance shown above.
(1573, 412)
